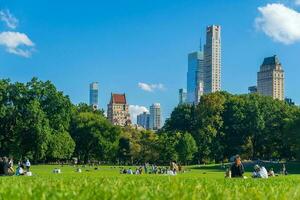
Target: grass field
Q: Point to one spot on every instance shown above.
(106, 183)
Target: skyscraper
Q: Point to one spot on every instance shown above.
(252, 89)
(94, 92)
(117, 110)
(143, 120)
(182, 96)
(270, 78)
(155, 116)
(199, 92)
(212, 60)
(194, 74)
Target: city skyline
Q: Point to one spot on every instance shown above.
(149, 66)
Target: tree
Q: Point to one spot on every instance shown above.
(209, 123)
(182, 119)
(95, 137)
(61, 146)
(33, 133)
(186, 148)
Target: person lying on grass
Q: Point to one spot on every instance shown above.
(260, 172)
(237, 168)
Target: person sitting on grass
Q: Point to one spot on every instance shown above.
(129, 171)
(20, 170)
(10, 169)
(271, 173)
(237, 169)
(260, 172)
(228, 173)
(1, 167)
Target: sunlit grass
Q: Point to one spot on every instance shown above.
(107, 183)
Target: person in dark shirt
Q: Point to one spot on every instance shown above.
(1, 167)
(237, 169)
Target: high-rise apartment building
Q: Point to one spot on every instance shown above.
(143, 120)
(194, 74)
(182, 96)
(212, 60)
(118, 110)
(155, 116)
(270, 78)
(94, 92)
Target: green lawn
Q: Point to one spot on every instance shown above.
(206, 182)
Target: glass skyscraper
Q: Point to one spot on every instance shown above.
(94, 92)
(194, 75)
(182, 96)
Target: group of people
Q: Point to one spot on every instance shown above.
(173, 169)
(237, 170)
(7, 167)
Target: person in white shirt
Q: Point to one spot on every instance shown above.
(27, 165)
(260, 172)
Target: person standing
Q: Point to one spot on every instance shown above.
(237, 169)
(28, 164)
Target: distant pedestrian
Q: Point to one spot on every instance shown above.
(284, 171)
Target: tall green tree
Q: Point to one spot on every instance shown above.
(186, 148)
(95, 137)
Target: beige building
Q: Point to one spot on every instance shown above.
(270, 78)
(118, 110)
(212, 60)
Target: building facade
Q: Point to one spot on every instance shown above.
(252, 89)
(194, 74)
(155, 116)
(212, 60)
(94, 95)
(182, 96)
(270, 78)
(143, 120)
(118, 110)
(199, 92)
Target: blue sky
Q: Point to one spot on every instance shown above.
(123, 43)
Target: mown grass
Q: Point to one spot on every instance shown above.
(107, 183)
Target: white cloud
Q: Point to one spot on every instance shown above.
(135, 110)
(151, 87)
(8, 19)
(17, 43)
(279, 22)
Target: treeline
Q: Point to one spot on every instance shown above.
(254, 126)
(40, 123)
